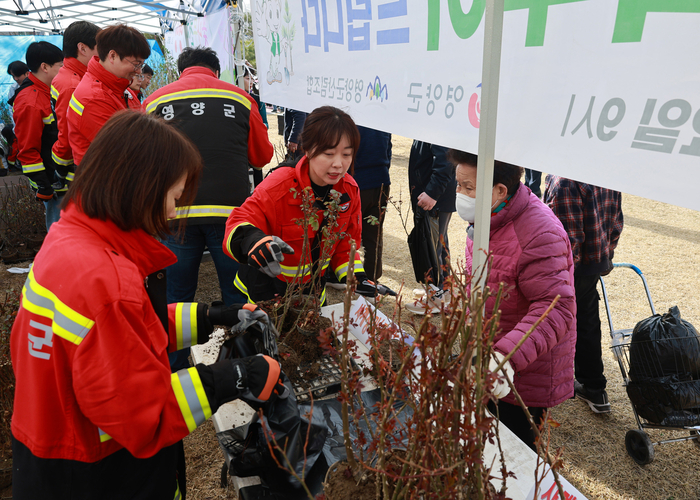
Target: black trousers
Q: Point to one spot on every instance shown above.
(373, 205)
(513, 417)
(588, 361)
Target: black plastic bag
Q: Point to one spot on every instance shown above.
(666, 400)
(664, 346)
(253, 334)
(290, 423)
(422, 248)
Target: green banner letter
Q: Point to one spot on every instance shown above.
(537, 17)
(465, 25)
(631, 14)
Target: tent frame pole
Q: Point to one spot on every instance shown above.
(491, 70)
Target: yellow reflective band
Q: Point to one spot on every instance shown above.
(104, 436)
(191, 397)
(54, 92)
(34, 167)
(76, 106)
(241, 286)
(203, 211)
(230, 237)
(186, 324)
(65, 322)
(342, 271)
(178, 495)
(49, 119)
(70, 177)
(60, 160)
(198, 93)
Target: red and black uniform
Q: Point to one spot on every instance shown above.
(225, 124)
(97, 410)
(36, 131)
(62, 88)
(274, 209)
(97, 97)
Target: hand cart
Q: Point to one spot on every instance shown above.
(637, 442)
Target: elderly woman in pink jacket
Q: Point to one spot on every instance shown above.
(532, 257)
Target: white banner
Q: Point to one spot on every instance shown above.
(605, 92)
(213, 31)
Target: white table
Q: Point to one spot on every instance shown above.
(519, 458)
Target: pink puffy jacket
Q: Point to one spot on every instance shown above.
(532, 256)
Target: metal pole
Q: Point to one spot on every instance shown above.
(493, 31)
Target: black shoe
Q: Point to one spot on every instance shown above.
(3, 172)
(596, 399)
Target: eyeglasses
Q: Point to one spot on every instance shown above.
(137, 66)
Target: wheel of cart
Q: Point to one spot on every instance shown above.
(639, 445)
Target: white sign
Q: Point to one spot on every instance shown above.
(212, 31)
(599, 91)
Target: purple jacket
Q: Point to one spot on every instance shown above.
(532, 256)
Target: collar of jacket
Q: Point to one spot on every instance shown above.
(112, 82)
(197, 70)
(145, 251)
(41, 86)
(301, 175)
(515, 206)
(72, 64)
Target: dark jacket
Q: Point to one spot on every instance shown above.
(223, 121)
(373, 159)
(429, 171)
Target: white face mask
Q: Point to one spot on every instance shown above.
(466, 207)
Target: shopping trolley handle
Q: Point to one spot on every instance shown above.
(629, 266)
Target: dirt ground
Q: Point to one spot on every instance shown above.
(662, 240)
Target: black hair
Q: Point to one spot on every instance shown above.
(147, 70)
(198, 56)
(124, 40)
(42, 52)
(503, 173)
(17, 68)
(79, 32)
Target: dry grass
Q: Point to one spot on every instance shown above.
(663, 240)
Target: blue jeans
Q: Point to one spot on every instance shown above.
(184, 274)
(53, 210)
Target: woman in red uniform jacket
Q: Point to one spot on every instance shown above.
(270, 222)
(97, 412)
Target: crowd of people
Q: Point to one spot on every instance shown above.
(137, 188)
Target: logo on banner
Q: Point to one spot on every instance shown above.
(475, 107)
(377, 90)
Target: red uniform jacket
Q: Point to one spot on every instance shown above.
(275, 207)
(35, 128)
(224, 123)
(90, 354)
(97, 97)
(62, 88)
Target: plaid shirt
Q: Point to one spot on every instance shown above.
(592, 217)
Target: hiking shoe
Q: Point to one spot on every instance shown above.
(596, 399)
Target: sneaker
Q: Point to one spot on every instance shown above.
(429, 303)
(332, 281)
(596, 399)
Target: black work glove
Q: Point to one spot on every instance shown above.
(266, 254)
(45, 193)
(221, 315)
(259, 379)
(369, 288)
(256, 380)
